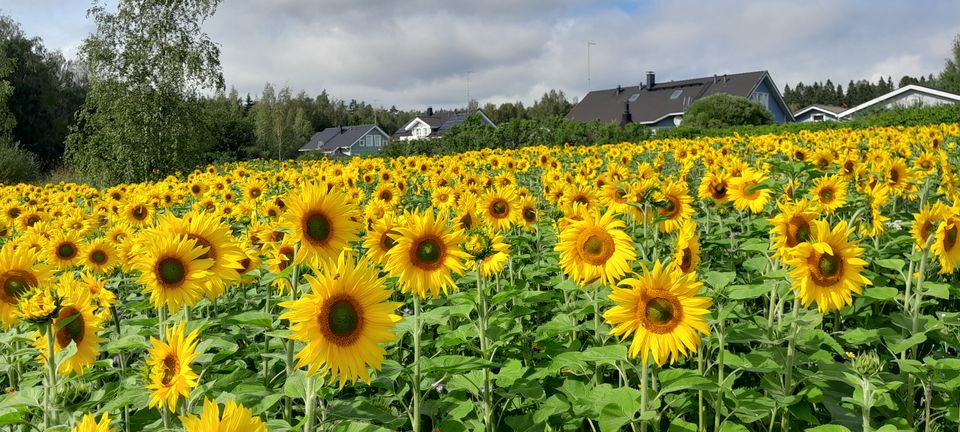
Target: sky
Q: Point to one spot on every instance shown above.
(418, 53)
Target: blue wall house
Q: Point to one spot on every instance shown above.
(660, 105)
(348, 140)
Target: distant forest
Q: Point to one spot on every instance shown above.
(857, 92)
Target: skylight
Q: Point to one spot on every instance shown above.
(633, 97)
(676, 93)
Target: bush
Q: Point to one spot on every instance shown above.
(17, 165)
(724, 110)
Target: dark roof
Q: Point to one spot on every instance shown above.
(828, 108)
(440, 122)
(649, 105)
(333, 138)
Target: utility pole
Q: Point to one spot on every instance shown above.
(468, 89)
(589, 44)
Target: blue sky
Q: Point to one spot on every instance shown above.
(417, 53)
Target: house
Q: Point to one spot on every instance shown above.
(661, 105)
(348, 140)
(433, 125)
(908, 96)
(818, 113)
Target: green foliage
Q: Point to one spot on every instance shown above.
(143, 118)
(950, 77)
(17, 165)
(724, 110)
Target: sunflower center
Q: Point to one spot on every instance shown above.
(255, 193)
(950, 238)
(686, 260)
(719, 191)
(529, 215)
(73, 331)
(171, 367)
(428, 252)
(925, 230)
(848, 167)
(827, 195)
(15, 283)
(581, 199)
(317, 227)
(597, 247)
(386, 241)
(466, 222)
(343, 318)
(798, 231)
(829, 265)
(139, 212)
(171, 271)
(32, 220)
(500, 208)
(670, 208)
(661, 311)
(748, 190)
(66, 251)
(98, 257)
(894, 175)
(286, 257)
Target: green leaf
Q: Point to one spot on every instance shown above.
(828, 428)
(881, 293)
(251, 318)
(892, 264)
(352, 426)
(860, 336)
(295, 386)
(674, 380)
(719, 280)
(455, 364)
(679, 425)
(936, 289)
(126, 343)
(743, 292)
(618, 406)
(898, 345)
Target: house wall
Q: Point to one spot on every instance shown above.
(779, 116)
(666, 123)
(371, 143)
(808, 116)
(912, 99)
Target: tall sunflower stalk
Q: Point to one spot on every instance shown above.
(483, 314)
(50, 406)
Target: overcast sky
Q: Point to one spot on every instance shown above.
(419, 53)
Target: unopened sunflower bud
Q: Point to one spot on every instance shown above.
(38, 306)
(867, 364)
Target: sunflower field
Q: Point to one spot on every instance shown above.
(783, 282)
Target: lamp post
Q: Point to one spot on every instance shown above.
(589, 44)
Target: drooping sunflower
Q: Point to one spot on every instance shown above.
(381, 238)
(82, 325)
(595, 248)
(322, 221)
(686, 253)
(62, 249)
(746, 191)
(493, 262)
(528, 211)
(172, 271)
(426, 253)
(99, 256)
(673, 203)
(946, 246)
(279, 257)
(342, 321)
(170, 373)
(236, 418)
(830, 193)
(827, 269)
(500, 208)
(20, 271)
(926, 221)
(662, 313)
(89, 423)
(792, 226)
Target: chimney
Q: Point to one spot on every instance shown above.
(619, 89)
(343, 130)
(625, 118)
(651, 79)
(429, 111)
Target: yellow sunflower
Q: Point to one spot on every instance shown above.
(170, 373)
(715, 186)
(686, 253)
(89, 423)
(492, 264)
(830, 193)
(747, 192)
(19, 272)
(827, 268)
(381, 238)
(211, 233)
(662, 312)
(138, 213)
(792, 226)
(426, 253)
(925, 222)
(236, 418)
(62, 249)
(595, 248)
(945, 246)
(99, 256)
(673, 204)
(82, 328)
(528, 211)
(500, 208)
(342, 321)
(322, 222)
(173, 272)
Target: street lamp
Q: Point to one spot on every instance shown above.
(589, 44)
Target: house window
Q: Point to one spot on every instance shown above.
(760, 97)
(818, 117)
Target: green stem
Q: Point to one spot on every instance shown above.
(788, 367)
(50, 406)
(310, 405)
(701, 414)
(416, 364)
(644, 383)
(288, 359)
(125, 414)
(718, 410)
(865, 408)
(266, 343)
(161, 323)
(486, 390)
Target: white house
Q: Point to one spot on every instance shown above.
(432, 125)
(904, 97)
(818, 113)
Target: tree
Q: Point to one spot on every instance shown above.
(553, 104)
(950, 77)
(723, 110)
(16, 164)
(148, 64)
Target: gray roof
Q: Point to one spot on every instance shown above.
(829, 108)
(441, 122)
(648, 105)
(332, 138)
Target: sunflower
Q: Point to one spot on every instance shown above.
(925, 222)
(673, 204)
(254, 190)
(89, 423)
(211, 233)
(99, 256)
(662, 313)
(279, 257)
(827, 268)
(170, 373)
(82, 328)
(381, 238)
(686, 253)
(466, 213)
(322, 222)
(62, 249)
(426, 253)
(19, 272)
(500, 208)
(137, 213)
(528, 211)
(945, 246)
(595, 248)
(715, 185)
(792, 226)
(443, 197)
(492, 263)
(830, 192)
(173, 272)
(236, 418)
(580, 194)
(616, 196)
(747, 191)
(386, 193)
(342, 321)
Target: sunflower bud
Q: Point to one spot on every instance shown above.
(478, 244)
(867, 364)
(39, 306)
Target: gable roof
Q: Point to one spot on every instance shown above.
(332, 138)
(665, 99)
(908, 88)
(826, 109)
(441, 122)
